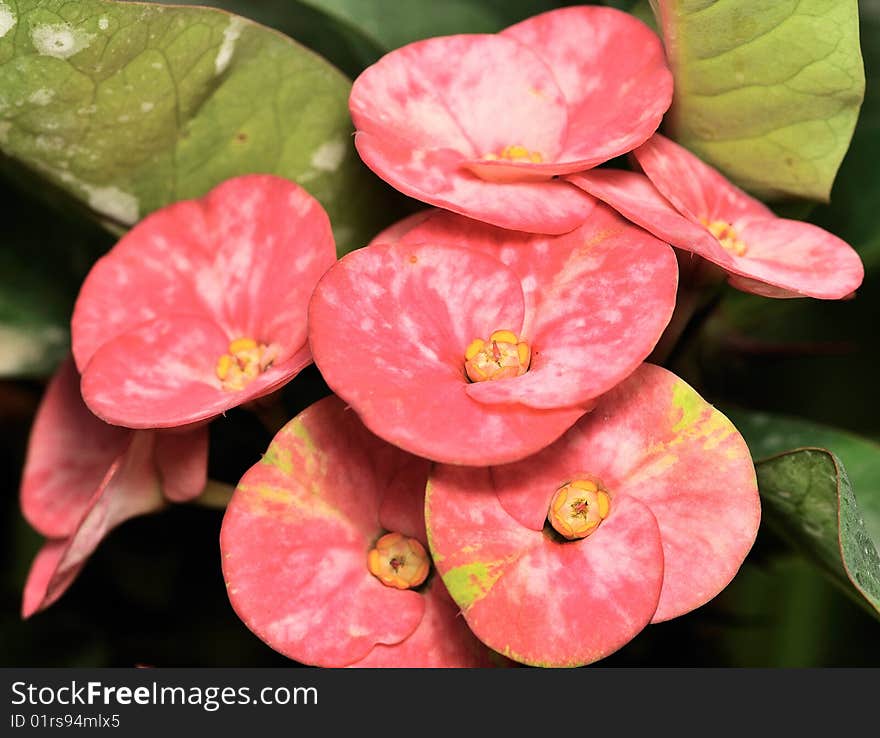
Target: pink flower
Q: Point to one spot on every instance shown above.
(202, 305)
(691, 205)
(324, 551)
(480, 124)
(656, 491)
(468, 344)
(83, 477)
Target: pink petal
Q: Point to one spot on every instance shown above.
(654, 438)
(296, 535)
(69, 453)
(396, 231)
(695, 189)
(784, 258)
(611, 68)
(536, 600)
(182, 460)
(439, 179)
(633, 196)
(130, 488)
(798, 258)
(247, 256)
(162, 374)
(597, 301)
(389, 326)
(442, 640)
(473, 94)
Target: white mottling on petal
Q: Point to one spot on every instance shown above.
(328, 156)
(230, 36)
(7, 19)
(60, 40)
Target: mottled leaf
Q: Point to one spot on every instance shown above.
(131, 106)
(767, 91)
(808, 499)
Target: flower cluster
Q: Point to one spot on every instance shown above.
(499, 474)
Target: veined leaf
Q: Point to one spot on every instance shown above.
(767, 91)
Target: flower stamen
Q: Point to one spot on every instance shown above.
(244, 361)
(398, 561)
(503, 355)
(578, 508)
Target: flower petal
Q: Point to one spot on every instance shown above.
(130, 488)
(532, 598)
(475, 94)
(296, 535)
(597, 301)
(654, 438)
(439, 179)
(798, 258)
(695, 189)
(69, 453)
(442, 640)
(611, 68)
(182, 460)
(247, 256)
(633, 196)
(389, 326)
(162, 374)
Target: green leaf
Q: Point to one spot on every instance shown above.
(392, 23)
(44, 256)
(768, 434)
(129, 107)
(347, 46)
(808, 499)
(767, 91)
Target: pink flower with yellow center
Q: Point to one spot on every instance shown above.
(468, 344)
(83, 477)
(691, 205)
(202, 306)
(481, 124)
(325, 554)
(641, 512)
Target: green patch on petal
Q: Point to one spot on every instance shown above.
(128, 107)
(689, 404)
(471, 582)
(768, 92)
(808, 499)
(279, 457)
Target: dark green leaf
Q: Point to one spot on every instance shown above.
(769, 434)
(807, 498)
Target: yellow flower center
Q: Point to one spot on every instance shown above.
(244, 361)
(515, 153)
(502, 356)
(726, 235)
(578, 508)
(398, 561)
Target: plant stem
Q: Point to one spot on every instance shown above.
(215, 495)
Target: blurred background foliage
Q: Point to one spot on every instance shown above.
(153, 594)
